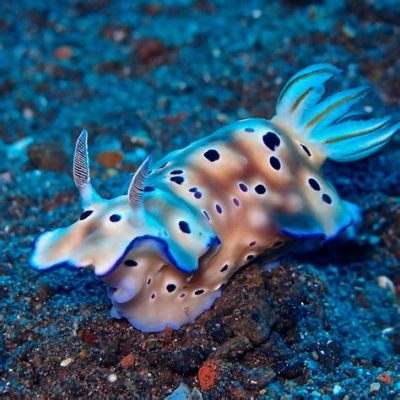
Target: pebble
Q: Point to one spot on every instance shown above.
(182, 392)
(110, 159)
(386, 283)
(337, 389)
(63, 52)
(66, 362)
(384, 377)
(112, 378)
(127, 361)
(374, 387)
(48, 156)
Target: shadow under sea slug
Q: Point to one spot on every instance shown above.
(193, 219)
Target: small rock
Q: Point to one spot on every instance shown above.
(44, 292)
(88, 337)
(149, 50)
(374, 387)
(256, 378)
(385, 378)
(47, 156)
(110, 159)
(337, 389)
(234, 348)
(386, 283)
(196, 394)
(63, 52)
(328, 353)
(291, 369)
(182, 392)
(208, 375)
(127, 361)
(112, 378)
(66, 362)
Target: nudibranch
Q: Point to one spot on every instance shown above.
(191, 220)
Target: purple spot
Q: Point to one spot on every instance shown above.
(153, 296)
(306, 150)
(115, 218)
(250, 257)
(184, 227)
(260, 189)
(218, 208)
(314, 184)
(197, 195)
(176, 172)
(275, 163)
(236, 202)
(206, 215)
(211, 155)
(251, 244)
(177, 179)
(271, 140)
(130, 263)
(85, 214)
(193, 189)
(224, 268)
(171, 287)
(182, 295)
(326, 198)
(243, 187)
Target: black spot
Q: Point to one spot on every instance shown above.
(306, 150)
(218, 208)
(199, 292)
(130, 263)
(236, 202)
(275, 163)
(249, 130)
(85, 214)
(164, 165)
(314, 184)
(206, 215)
(211, 155)
(224, 268)
(271, 140)
(193, 189)
(153, 296)
(326, 198)
(250, 257)
(198, 195)
(278, 243)
(149, 281)
(171, 287)
(251, 244)
(182, 295)
(260, 189)
(177, 179)
(115, 218)
(176, 172)
(148, 189)
(184, 227)
(243, 187)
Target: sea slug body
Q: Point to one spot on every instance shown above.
(194, 218)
